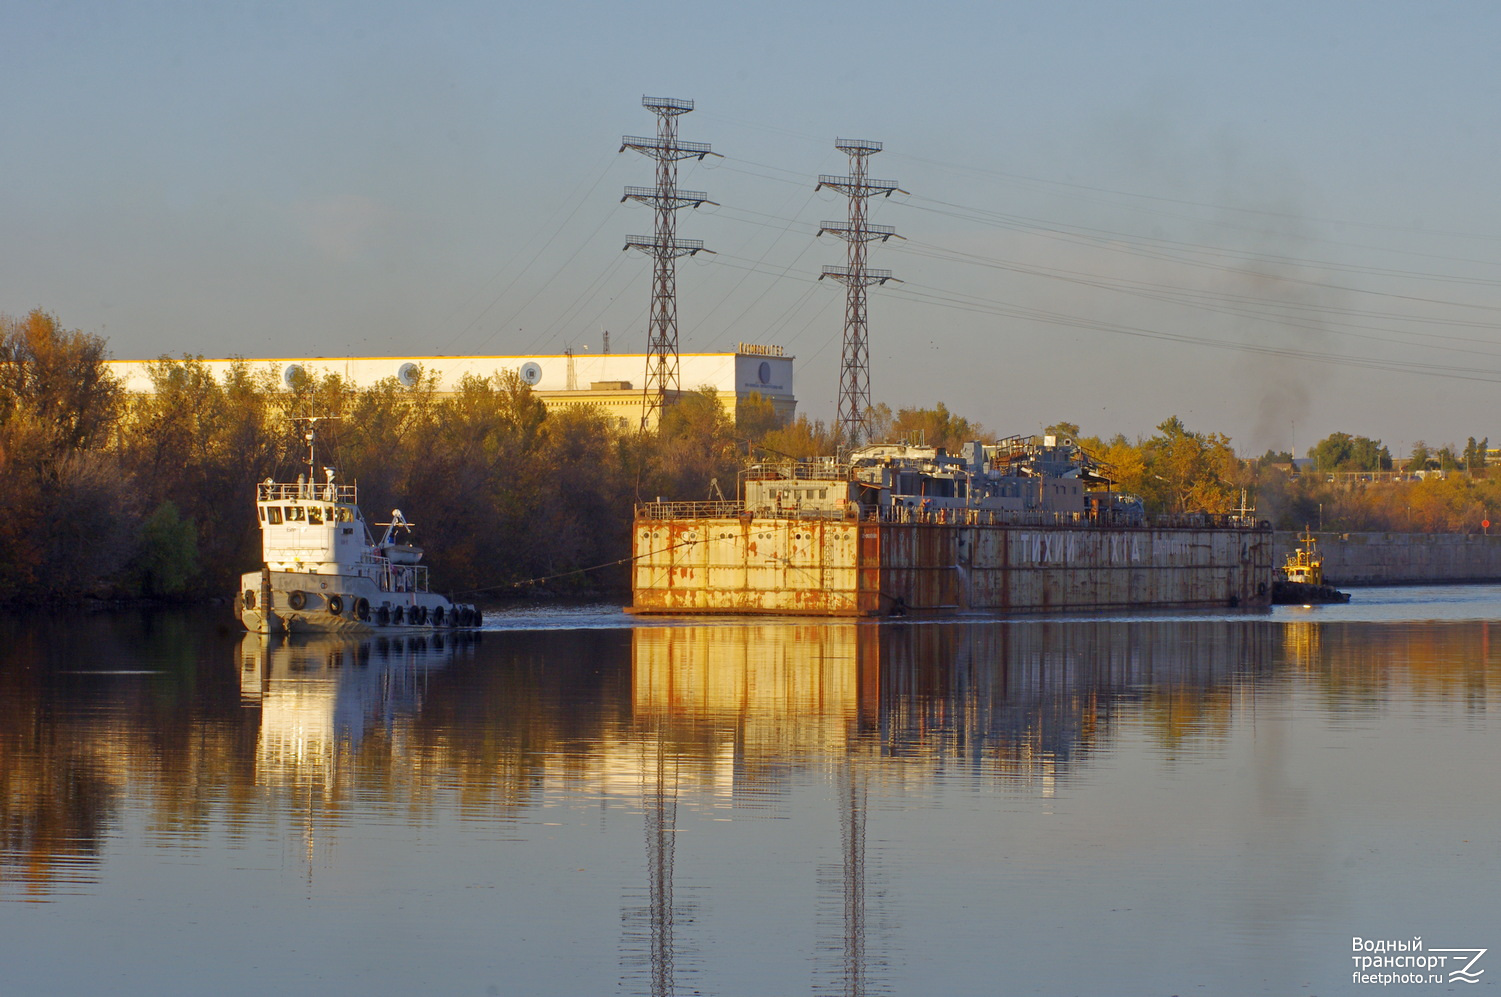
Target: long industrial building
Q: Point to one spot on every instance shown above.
(611, 382)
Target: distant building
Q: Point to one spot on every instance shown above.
(610, 382)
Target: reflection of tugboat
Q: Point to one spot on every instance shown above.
(1303, 583)
(322, 571)
(319, 694)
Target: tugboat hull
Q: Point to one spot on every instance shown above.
(288, 602)
(1285, 593)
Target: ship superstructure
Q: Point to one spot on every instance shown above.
(1053, 479)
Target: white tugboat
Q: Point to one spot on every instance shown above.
(322, 572)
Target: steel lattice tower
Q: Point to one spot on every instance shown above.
(854, 369)
(664, 247)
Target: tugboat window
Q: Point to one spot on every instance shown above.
(273, 515)
(294, 514)
(314, 516)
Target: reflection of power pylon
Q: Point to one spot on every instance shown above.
(661, 824)
(847, 965)
(852, 837)
(845, 905)
(649, 927)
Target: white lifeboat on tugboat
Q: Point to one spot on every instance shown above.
(321, 572)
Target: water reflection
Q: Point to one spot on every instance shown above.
(82, 705)
(319, 696)
(124, 739)
(1020, 702)
(735, 710)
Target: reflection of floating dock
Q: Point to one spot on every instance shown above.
(1024, 696)
(763, 678)
(735, 710)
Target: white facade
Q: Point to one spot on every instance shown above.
(613, 382)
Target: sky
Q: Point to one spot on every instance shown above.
(1274, 220)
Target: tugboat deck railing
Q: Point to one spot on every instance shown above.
(393, 577)
(306, 491)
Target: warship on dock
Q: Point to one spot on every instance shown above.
(1020, 525)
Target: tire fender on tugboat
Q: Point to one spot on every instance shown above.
(297, 599)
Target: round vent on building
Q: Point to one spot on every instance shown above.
(407, 374)
(531, 373)
(291, 374)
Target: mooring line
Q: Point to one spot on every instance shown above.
(576, 571)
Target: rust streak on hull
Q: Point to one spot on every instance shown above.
(853, 568)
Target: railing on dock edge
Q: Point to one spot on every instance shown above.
(662, 511)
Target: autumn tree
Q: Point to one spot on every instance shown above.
(588, 522)
(1343, 452)
(387, 427)
(755, 416)
(1125, 464)
(1068, 430)
(67, 517)
(1419, 459)
(477, 479)
(56, 395)
(935, 427)
(1185, 471)
(200, 445)
(802, 439)
(698, 444)
(1474, 455)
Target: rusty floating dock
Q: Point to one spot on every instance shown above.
(1022, 525)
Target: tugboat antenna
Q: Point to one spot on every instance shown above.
(310, 434)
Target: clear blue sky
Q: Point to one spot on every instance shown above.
(1275, 220)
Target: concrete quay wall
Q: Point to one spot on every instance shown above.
(1400, 558)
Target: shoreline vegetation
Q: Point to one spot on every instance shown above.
(111, 496)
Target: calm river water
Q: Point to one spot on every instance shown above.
(575, 802)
